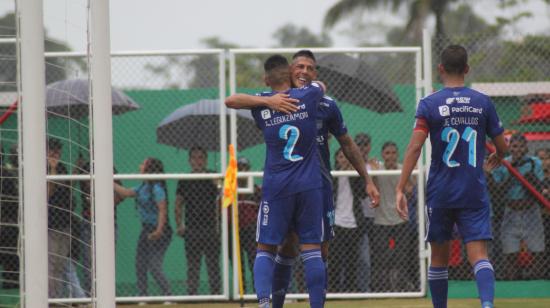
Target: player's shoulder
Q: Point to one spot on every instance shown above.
(328, 102)
(312, 87)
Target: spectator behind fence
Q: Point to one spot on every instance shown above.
(546, 212)
(394, 238)
(60, 206)
(348, 228)
(152, 204)
(363, 141)
(542, 154)
(9, 219)
(196, 200)
(522, 222)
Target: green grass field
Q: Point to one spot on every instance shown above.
(379, 303)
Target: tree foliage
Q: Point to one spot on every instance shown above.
(291, 35)
(56, 68)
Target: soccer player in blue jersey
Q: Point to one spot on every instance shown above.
(329, 119)
(291, 191)
(457, 119)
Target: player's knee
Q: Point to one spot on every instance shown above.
(324, 250)
(267, 247)
(304, 247)
(290, 246)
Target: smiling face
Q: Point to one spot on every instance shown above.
(302, 71)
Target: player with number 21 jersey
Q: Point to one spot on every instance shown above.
(457, 119)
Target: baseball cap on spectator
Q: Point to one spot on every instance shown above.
(362, 139)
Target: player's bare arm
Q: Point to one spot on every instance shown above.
(352, 153)
(279, 102)
(411, 157)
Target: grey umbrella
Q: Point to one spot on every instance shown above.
(351, 80)
(70, 97)
(198, 124)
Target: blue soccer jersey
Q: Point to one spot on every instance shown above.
(292, 163)
(329, 120)
(458, 120)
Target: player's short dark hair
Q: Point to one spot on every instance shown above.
(389, 144)
(197, 148)
(454, 59)
(277, 70)
(274, 62)
(306, 53)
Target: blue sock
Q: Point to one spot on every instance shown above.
(438, 279)
(315, 276)
(281, 279)
(485, 278)
(263, 276)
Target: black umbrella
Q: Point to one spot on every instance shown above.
(70, 98)
(351, 80)
(198, 124)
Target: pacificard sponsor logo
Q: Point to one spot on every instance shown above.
(469, 109)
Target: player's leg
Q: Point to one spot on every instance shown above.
(439, 233)
(475, 229)
(438, 274)
(284, 261)
(272, 226)
(310, 228)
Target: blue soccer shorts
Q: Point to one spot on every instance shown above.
(301, 212)
(473, 224)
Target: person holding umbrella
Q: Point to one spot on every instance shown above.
(152, 204)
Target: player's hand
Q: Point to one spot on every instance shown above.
(493, 161)
(373, 193)
(181, 230)
(155, 235)
(401, 205)
(322, 84)
(282, 102)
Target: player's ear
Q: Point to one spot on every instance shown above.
(266, 80)
(466, 69)
(440, 69)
